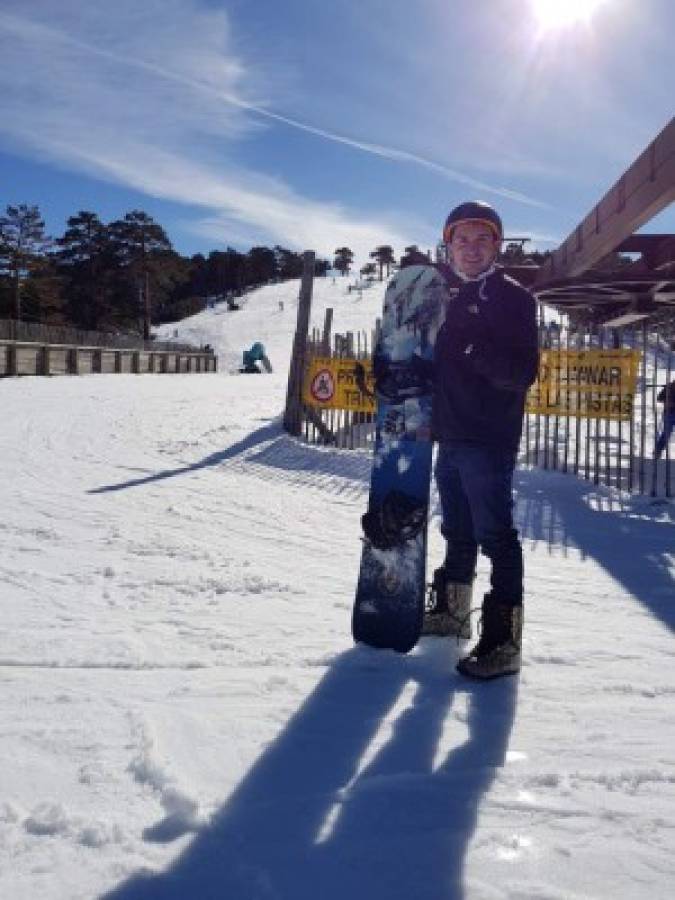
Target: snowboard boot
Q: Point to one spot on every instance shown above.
(497, 652)
(448, 610)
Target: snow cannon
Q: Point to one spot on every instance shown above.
(251, 358)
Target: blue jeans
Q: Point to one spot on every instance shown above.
(475, 484)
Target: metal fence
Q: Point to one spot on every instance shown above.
(616, 452)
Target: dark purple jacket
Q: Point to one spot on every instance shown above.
(485, 359)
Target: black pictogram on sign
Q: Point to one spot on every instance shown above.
(322, 387)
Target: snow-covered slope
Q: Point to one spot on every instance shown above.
(181, 697)
(268, 315)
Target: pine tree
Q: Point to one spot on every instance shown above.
(384, 255)
(413, 256)
(141, 248)
(289, 264)
(262, 265)
(22, 244)
(85, 259)
(344, 258)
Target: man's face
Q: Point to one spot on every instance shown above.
(473, 248)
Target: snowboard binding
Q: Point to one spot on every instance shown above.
(397, 519)
(399, 381)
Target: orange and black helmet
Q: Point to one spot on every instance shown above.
(473, 211)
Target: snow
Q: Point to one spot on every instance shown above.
(184, 713)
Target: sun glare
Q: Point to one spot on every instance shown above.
(555, 14)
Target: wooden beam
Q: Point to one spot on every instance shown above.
(292, 415)
(646, 188)
(327, 325)
(658, 250)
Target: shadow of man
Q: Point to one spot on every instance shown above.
(630, 539)
(328, 811)
(250, 441)
(266, 446)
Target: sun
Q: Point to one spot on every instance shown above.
(554, 14)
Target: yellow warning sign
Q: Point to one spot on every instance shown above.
(591, 384)
(338, 384)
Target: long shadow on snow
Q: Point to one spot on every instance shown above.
(277, 450)
(630, 538)
(306, 822)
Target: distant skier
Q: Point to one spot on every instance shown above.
(486, 357)
(666, 396)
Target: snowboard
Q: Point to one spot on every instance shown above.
(389, 605)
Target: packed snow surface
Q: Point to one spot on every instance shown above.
(183, 711)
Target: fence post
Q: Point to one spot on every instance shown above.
(325, 339)
(46, 360)
(292, 415)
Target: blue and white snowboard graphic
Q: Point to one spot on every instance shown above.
(389, 605)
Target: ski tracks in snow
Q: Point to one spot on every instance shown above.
(179, 684)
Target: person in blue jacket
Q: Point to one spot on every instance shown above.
(486, 357)
(666, 396)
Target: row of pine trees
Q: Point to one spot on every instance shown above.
(120, 276)
(383, 258)
(125, 275)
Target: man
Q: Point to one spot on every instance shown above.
(485, 359)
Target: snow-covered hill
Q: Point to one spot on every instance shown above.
(180, 693)
(269, 314)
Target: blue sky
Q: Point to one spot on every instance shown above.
(315, 124)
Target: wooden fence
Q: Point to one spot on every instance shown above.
(36, 333)
(606, 450)
(339, 427)
(30, 358)
(613, 452)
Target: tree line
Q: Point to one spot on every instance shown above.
(123, 275)
(512, 254)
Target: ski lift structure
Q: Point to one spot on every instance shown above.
(615, 286)
(605, 270)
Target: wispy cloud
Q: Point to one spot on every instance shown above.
(36, 32)
(258, 205)
(112, 95)
(164, 133)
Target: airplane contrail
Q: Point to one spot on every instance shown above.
(27, 29)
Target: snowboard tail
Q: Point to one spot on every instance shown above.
(390, 607)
